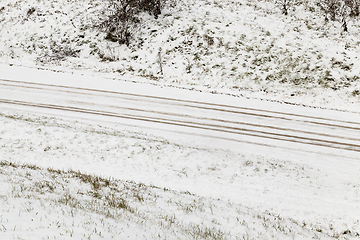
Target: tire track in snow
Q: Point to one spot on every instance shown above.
(211, 127)
(187, 103)
(204, 123)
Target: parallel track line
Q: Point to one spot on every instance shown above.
(203, 105)
(211, 127)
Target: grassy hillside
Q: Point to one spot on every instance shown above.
(240, 47)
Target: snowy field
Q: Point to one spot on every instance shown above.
(67, 179)
(64, 179)
(143, 187)
(244, 48)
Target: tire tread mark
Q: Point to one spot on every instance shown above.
(343, 146)
(207, 108)
(233, 122)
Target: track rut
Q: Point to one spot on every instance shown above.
(263, 124)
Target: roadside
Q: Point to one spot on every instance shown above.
(318, 196)
(242, 48)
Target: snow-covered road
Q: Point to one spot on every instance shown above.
(293, 161)
(204, 119)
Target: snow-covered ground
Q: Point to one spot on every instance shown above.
(245, 48)
(64, 179)
(184, 192)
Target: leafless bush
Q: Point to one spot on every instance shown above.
(330, 8)
(120, 18)
(153, 7)
(340, 10)
(30, 11)
(58, 51)
(285, 5)
(354, 7)
(108, 54)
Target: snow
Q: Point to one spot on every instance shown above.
(319, 194)
(257, 52)
(145, 184)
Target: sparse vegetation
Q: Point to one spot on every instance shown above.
(77, 204)
(58, 52)
(120, 18)
(285, 50)
(113, 203)
(237, 55)
(285, 5)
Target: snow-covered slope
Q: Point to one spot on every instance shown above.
(239, 47)
(66, 179)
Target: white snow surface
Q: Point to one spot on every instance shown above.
(244, 48)
(300, 196)
(159, 186)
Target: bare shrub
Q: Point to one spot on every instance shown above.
(120, 18)
(330, 8)
(30, 11)
(285, 5)
(58, 51)
(354, 7)
(153, 7)
(108, 54)
(340, 10)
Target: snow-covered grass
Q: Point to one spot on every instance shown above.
(57, 204)
(64, 179)
(239, 47)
